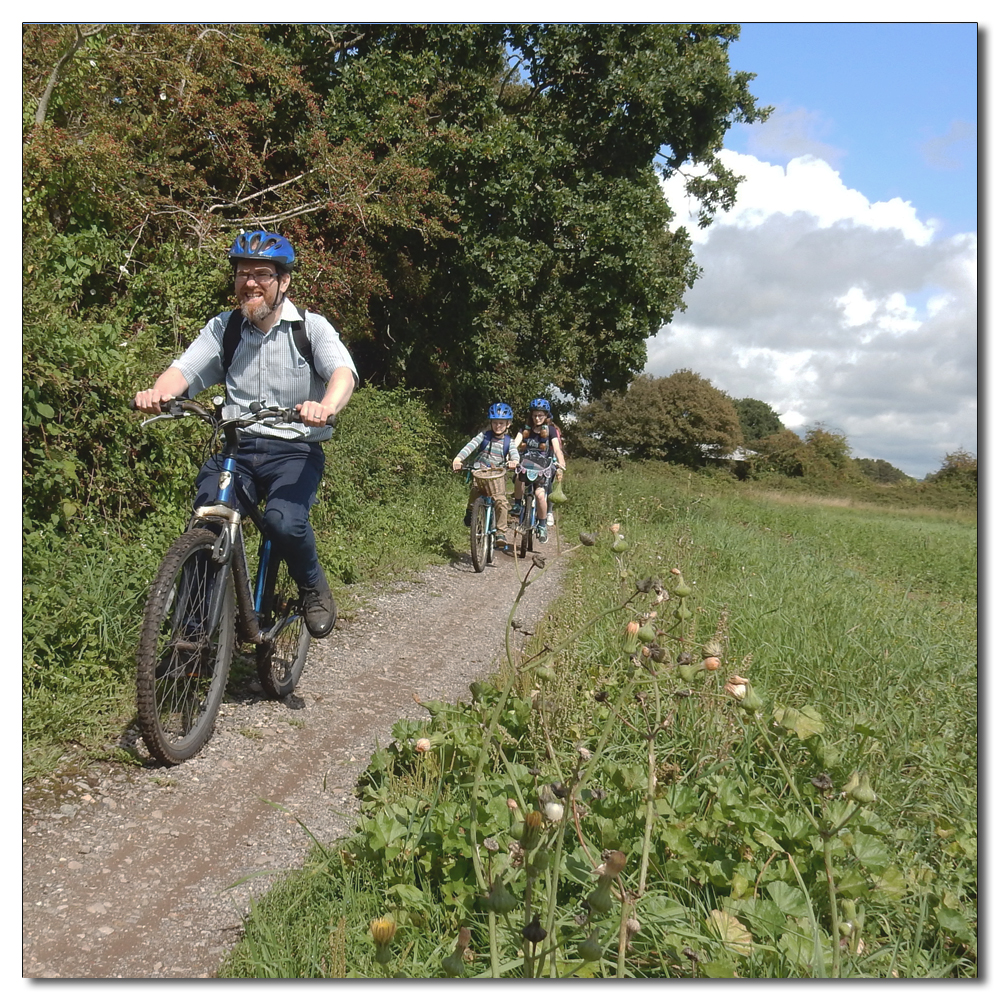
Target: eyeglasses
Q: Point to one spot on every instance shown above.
(261, 277)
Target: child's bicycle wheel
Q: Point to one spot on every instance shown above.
(526, 543)
(479, 534)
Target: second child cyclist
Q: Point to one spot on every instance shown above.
(542, 442)
(493, 448)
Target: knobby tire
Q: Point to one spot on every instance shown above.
(280, 661)
(182, 669)
(527, 526)
(479, 534)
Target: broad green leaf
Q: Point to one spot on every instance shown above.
(952, 922)
(871, 852)
(733, 934)
(809, 723)
(891, 883)
(767, 840)
(719, 969)
(788, 899)
(409, 895)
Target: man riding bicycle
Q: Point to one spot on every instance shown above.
(269, 352)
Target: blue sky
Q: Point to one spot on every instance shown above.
(842, 288)
(880, 101)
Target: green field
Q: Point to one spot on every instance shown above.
(819, 818)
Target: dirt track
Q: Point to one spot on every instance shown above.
(130, 872)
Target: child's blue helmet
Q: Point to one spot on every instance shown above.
(262, 245)
(541, 404)
(501, 411)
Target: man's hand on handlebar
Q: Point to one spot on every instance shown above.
(151, 400)
(314, 414)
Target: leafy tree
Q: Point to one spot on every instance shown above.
(476, 206)
(880, 471)
(831, 454)
(471, 201)
(757, 419)
(784, 453)
(822, 455)
(681, 418)
(959, 469)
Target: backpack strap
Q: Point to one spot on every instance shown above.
(234, 332)
(300, 334)
(488, 440)
(231, 340)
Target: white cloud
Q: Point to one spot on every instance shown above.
(833, 309)
(807, 184)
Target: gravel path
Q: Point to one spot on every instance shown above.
(130, 872)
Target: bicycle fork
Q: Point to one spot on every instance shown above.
(229, 554)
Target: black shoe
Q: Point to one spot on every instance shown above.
(467, 520)
(318, 608)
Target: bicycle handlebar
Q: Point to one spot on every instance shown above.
(180, 406)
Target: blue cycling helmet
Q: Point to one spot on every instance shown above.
(261, 245)
(541, 404)
(501, 411)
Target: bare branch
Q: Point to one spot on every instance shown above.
(81, 37)
(259, 194)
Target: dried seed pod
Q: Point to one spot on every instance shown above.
(534, 932)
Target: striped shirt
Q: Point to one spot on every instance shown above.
(493, 455)
(267, 368)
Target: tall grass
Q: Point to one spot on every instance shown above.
(856, 630)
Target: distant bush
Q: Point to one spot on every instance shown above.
(878, 470)
(959, 470)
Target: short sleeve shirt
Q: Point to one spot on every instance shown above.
(267, 367)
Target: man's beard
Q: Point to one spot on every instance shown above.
(258, 311)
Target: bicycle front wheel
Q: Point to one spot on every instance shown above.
(527, 524)
(182, 664)
(280, 660)
(478, 532)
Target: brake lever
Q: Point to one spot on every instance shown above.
(162, 416)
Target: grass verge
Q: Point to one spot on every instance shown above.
(769, 772)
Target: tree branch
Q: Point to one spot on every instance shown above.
(81, 37)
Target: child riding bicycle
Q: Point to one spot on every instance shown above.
(540, 441)
(492, 448)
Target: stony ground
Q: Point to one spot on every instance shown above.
(148, 872)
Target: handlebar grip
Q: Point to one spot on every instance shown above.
(294, 417)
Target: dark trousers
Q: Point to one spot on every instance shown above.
(288, 474)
